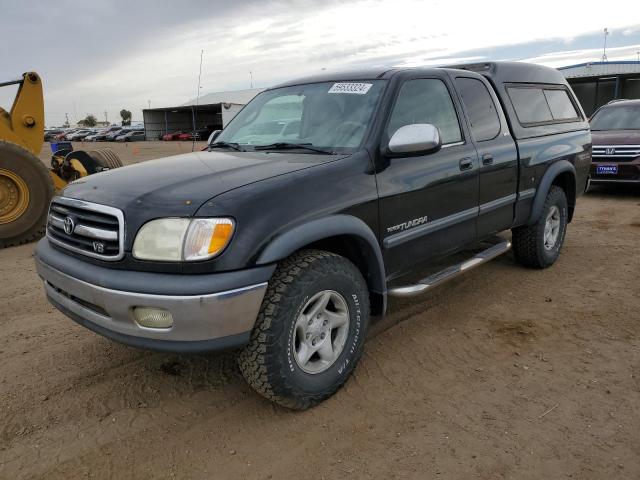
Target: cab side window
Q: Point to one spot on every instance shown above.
(481, 111)
(426, 101)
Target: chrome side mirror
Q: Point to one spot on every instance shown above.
(213, 136)
(417, 138)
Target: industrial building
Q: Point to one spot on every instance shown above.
(213, 110)
(596, 83)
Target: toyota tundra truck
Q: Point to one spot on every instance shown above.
(322, 198)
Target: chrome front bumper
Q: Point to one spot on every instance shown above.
(201, 322)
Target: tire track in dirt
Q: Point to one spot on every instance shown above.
(441, 391)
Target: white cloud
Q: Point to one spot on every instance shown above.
(560, 59)
(280, 40)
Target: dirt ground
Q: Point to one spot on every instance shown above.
(503, 373)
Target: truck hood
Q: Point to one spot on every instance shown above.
(179, 185)
(615, 137)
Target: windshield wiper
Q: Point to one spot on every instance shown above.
(292, 146)
(233, 145)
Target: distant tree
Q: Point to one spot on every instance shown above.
(89, 121)
(126, 117)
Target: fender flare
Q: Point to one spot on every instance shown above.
(299, 236)
(544, 186)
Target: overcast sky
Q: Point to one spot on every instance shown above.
(97, 56)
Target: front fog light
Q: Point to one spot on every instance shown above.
(153, 317)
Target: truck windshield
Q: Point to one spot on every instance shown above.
(331, 116)
(617, 118)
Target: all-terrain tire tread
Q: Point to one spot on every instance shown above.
(38, 230)
(256, 365)
(525, 239)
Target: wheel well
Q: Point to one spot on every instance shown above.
(358, 251)
(567, 182)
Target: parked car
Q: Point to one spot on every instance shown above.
(615, 129)
(203, 133)
(78, 135)
(131, 136)
(111, 137)
(171, 136)
(92, 137)
(51, 134)
(185, 136)
(121, 135)
(63, 136)
(285, 249)
(102, 134)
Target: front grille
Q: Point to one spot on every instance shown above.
(87, 228)
(615, 153)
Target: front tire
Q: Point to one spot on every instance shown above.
(539, 245)
(26, 188)
(310, 331)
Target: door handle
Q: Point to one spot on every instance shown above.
(487, 159)
(466, 164)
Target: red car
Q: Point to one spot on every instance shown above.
(171, 136)
(185, 136)
(63, 135)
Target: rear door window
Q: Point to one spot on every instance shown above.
(481, 111)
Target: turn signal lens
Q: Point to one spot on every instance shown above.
(221, 236)
(207, 237)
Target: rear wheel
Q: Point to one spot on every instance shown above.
(310, 330)
(539, 245)
(26, 188)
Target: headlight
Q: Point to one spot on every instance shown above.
(177, 239)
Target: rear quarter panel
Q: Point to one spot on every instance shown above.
(537, 154)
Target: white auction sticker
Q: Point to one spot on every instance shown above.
(351, 87)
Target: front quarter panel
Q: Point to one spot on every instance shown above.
(267, 209)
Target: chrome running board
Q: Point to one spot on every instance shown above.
(453, 271)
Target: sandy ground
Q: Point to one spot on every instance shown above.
(504, 373)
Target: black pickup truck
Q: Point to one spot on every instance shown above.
(320, 199)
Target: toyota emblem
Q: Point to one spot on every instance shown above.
(69, 225)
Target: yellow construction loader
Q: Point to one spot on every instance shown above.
(26, 184)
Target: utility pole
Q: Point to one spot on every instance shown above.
(66, 115)
(604, 48)
(251, 77)
(149, 101)
(193, 143)
(106, 119)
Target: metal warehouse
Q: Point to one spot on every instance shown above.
(213, 110)
(597, 83)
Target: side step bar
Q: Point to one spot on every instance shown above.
(451, 272)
